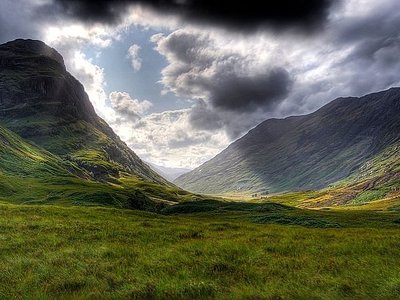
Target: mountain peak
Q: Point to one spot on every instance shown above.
(43, 103)
(28, 48)
(34, 81)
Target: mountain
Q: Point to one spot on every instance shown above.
(168, 173)
(53, 146)
(43, 103)
(306, 152)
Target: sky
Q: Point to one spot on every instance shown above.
(179, 80)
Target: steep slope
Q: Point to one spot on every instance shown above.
(304, 152)
(21, 159)
(42, 102)
(376, 184)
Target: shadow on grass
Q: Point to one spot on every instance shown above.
(220, 206)
(294, 220)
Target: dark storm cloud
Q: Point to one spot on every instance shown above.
(374, 37)
(226, 80)
(250, 14)
(184, 139)
(246, 93)
(211, 119)
(227, 86)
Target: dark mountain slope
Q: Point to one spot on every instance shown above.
(42, 102)
(304, 152)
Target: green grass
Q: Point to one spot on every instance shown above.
(294, 198)
(295, 220)
(52, 252)
(30, 174)
(369, 196)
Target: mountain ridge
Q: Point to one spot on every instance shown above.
(303, 152)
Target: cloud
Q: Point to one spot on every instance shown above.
(133, 54)
(232, 80)
(247, 92)
(231, 87)
(225, 79)
(202, 117)
(168, 138)
(123, 104)
(356, 55)
(17, 21)
(252, 14)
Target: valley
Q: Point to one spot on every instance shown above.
(306, 207)
(241, 252)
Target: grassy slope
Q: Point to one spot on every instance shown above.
(375, 186)
(378, 180)
(52, 252)
(79, 142)
(30, 174)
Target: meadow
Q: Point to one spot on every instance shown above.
(198, 251)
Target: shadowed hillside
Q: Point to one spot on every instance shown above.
(304, 152)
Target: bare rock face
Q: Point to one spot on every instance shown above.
(42, 102)
(33, 79)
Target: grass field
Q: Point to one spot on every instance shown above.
(226, 251)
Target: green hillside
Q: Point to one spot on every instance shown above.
(29, 174)
(378, 179)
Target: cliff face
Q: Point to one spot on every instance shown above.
(42, 102)
(33, 80)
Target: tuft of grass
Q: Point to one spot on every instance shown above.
(295, 220)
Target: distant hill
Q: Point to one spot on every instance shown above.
(53, 146)
(169, 173)
(307, 152)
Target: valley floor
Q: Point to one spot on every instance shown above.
(64, 252)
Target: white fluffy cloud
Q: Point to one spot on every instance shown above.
(168, 139)
(122, 103)
(133, 55)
